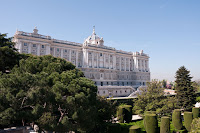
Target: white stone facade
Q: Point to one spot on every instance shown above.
(115, 72)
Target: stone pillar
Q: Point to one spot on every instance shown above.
(38, 49)
(104, 60)
(114, 62)
(92, 59)
(48, 50)
(129, 64)
(77, 58)
(108, 61)
(120, 64)
(70, 55)
(125, 64)
(97, 60)
(61, 52)
(54, 51)
(19, 46)
(29, 48)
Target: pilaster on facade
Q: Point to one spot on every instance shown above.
(70, 55)
(38, 49)
(61, 52)
(29, 48)
(48, 50)
(77, 58)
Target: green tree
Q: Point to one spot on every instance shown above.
(9, 56)
(52, 93)
(152, 99)
(185, 92)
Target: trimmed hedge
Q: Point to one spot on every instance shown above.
(151, 123)
(134, 129)
(120, 114)
(188, 120)
(148, 112)
(195, 111)
(128, 113)
(124, 113)
(176, 119)
(165, 125)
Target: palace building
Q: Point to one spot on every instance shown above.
(115, 72)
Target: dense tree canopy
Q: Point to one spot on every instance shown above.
(184, 89)
(152, 99)
(52, 93)
(9, 56)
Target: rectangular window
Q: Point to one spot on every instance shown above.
(65, 50)
(58, 49)
(25, 44)
(34, 45)
(100, 54)
(42, 46)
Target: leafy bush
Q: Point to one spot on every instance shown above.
(195, 126)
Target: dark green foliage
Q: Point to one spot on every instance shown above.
(124, 113)
(151, 123)
(195, 112)
(176, 119)
(185, 92)
(114, 128)
(152, 98)
(134, 129)
(9, 57)
(54, 94)
(128, 113)
(165, 125)
(188, 120)
(120, 114)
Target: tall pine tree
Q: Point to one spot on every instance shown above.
(184, 89)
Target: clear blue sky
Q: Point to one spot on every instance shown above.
(167, 30)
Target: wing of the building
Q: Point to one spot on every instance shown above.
(115, 72)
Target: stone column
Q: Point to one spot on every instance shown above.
(70, 55)
(108, 61)
(129, 64)
(48, 50)
(114, 62)
(125, 64)
(61, 52)
(97, 60)
(77, 58)
(120, 64)
(54, 51)
(104, 60)
(92, 59)
(38, 49)
(19, 46)
(29, 48)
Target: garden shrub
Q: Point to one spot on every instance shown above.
(187, 120)
(151, 123)
(176, 119)
(124, 113)
(134, 129)
(195, 111)
(165, 125)
(120, 114)
(195, 126)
